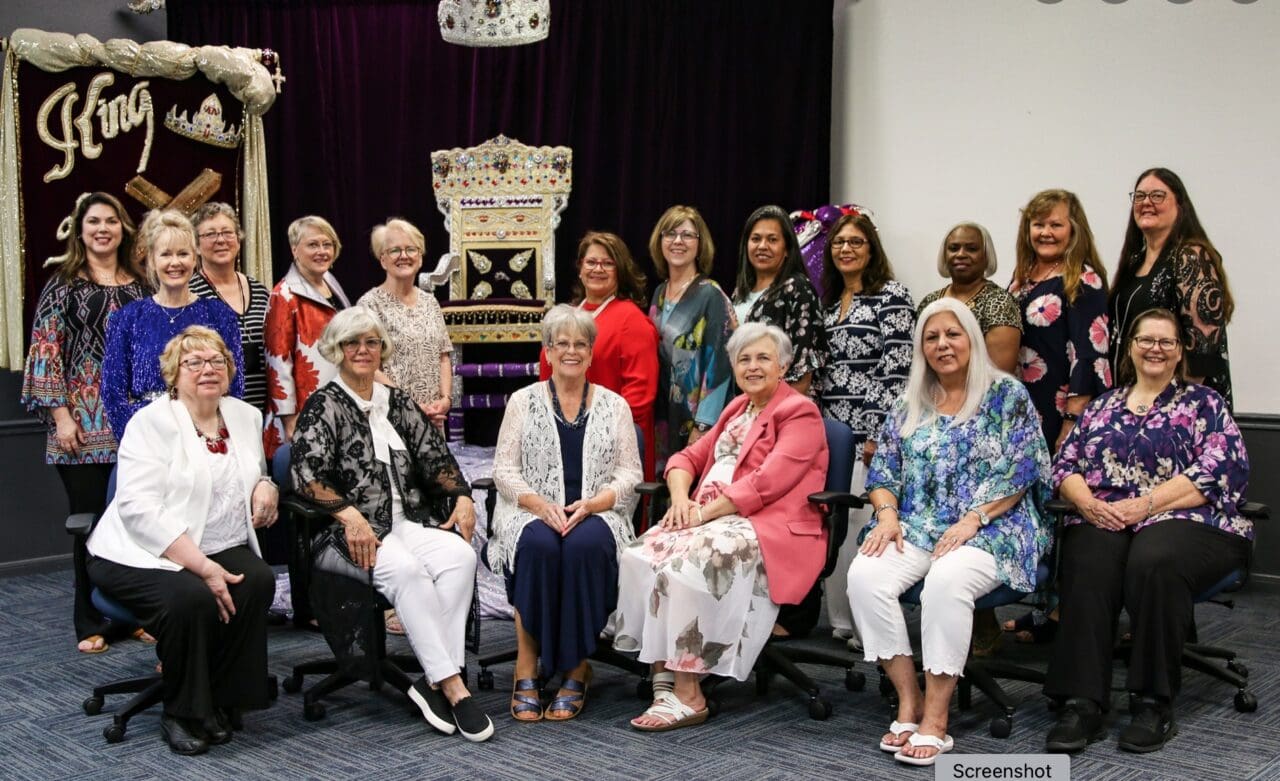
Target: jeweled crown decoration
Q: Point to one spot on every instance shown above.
(501, 166)
(207, 126)
(494, 22)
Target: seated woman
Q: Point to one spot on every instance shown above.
(959, 469)
(176, 546)
(566, 467)
(1156, 469)
(698, 594)
(367, 454)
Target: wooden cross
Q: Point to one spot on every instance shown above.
(192, 197)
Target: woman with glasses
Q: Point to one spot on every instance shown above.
(218, 231)
(1156, 469)
(694, 320)
(625, 357)
(1168, 261)
(421, 365)
(566, 467)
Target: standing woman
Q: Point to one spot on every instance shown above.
(694, 320)
(218, 230)
(1168, 262)
(625, 357)
(137, 334)
(301, 305)
(968, 258)
(61, 383)
(773, 288)
(421, 364)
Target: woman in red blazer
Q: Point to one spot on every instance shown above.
(699, 593)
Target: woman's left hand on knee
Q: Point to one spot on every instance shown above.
(463, 516)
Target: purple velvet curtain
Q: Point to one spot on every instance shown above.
(720, 104)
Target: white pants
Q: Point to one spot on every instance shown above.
(951, 585)
(428, 575)
(837, 583)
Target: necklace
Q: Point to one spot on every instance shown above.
(179, 309)
(216, 443)
(965, 301)
(673, 297)
(1032, 280)
(559, 413)
(596, 312)
(244, 294)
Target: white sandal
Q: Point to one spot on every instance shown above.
(897, 728)
(940, 745)
(673, 713)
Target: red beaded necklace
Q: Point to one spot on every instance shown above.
(218, 442)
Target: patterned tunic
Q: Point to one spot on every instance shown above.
(137, 335)
(251, 326)
(870, 358)
(419, 338)
(793, 306)
(944, 469)
(1064, 346)
(694, 374)
(64, 364)
(992, 305)
(1188, 431)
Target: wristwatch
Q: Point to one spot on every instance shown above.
(703, 427)
(984, 520)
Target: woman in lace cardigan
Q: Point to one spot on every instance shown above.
(566, 467)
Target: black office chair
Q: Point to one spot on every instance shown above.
(781, 656)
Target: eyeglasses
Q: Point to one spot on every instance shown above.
(372, 344)
(564, 346)
(685, 236)
(597, 263)
(857, 242)
(1147, 342)
(194, 365)
(1155, 196)
(408, 252)
(224, 235)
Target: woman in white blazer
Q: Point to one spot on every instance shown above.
(177, 546)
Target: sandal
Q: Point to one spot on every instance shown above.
(569, 703)
(97, 645)
(523, 703)
(896, 728)
(143, 635)
(939, 745)
(394, 627)
(672, 712)
(1026, 630)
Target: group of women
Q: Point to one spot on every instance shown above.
(957, 408)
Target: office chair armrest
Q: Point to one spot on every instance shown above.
(303, 509)
(1059, 506)
(652, 489)
(1255, 511)
(80, 524)
(485, 484)
(838, 499)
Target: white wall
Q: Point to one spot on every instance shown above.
(947, 110)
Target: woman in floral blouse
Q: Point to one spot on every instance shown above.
(1157, 469)
(955, 484)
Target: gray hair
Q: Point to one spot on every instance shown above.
(300, 226)
(563, 318)
(988, 248)
(214, 208)
(922, 382)
(378, 237)
(349, 324)
(750, 333)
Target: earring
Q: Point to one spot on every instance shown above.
(173, 392)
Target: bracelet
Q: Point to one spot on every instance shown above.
(1071, 416)
(702, 427)
(1151, 502)
(698, 509)
(885, 506)
(984, 520)
(267, 479)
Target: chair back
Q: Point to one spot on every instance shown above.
(840, 461)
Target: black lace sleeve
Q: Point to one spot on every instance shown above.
(315, 459)
(435, 467)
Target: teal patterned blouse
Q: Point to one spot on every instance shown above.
(945, 469)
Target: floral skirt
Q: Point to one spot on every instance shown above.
(697, 599)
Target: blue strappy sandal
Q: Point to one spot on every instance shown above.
(569, 703)
(523, 703)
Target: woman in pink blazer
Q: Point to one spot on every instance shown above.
(699, 593)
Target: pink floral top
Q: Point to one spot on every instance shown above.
(720, 475)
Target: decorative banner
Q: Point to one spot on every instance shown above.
(811, 231)
(158, 125)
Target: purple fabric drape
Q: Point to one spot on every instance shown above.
(719, 104)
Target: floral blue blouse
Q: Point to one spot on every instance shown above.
(1188, 431)
(944, 469)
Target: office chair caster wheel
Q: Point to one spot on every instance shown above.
(644, 690)
(313, 711)
(293, 684)
(484, 680)
(1238, 668)
(854, 681)
(1246, 702)
(114, 733)
(1000, 727)
(819, 709)
(92, 706)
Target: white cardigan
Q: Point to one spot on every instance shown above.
(163, 483)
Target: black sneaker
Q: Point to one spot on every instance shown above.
(1151, 728)
(433, 704)
(472, 722)
(1079, 724)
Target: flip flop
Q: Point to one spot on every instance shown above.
(523, 703)
(143, 635)
(394, 627)
(674, 714)
(97, 645)
(939, 745)
(571, 703)
(897, 728)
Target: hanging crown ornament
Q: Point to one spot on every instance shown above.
(494, 22)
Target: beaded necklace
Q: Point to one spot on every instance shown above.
(577, 422)
(216, 443)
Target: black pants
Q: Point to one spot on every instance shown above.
(1154, 575)
(86, 486)
(799, 620)
(207, 664)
